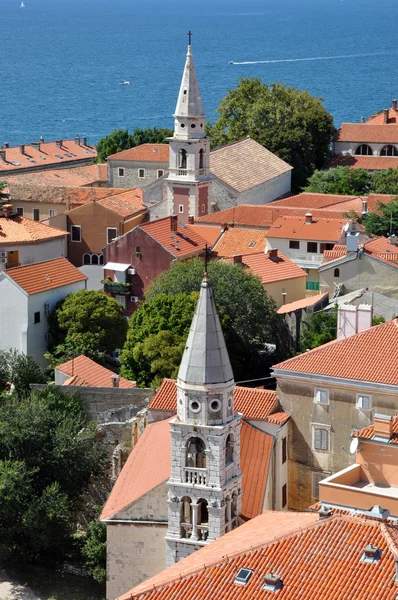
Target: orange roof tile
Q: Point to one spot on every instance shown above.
(86, 175)
(208, 232)
(91, 373)
(183, 242)
(295, 228)
(125, 204)
(304, 303)
(57, 194)
(379, 245)
(360, 357)
(367, 133)
(273, 269)
(369, 163)
(255, 457)
(246, 164)
(378, 118)
(278, 418)
(367, 433)
(48, 154)
(144, 153)
(20, 230)
(240, 241)
(320, 558)
(252, 403)
(337, 252)
(46, 275)
(310, 200)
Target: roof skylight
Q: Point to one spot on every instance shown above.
(243, 576)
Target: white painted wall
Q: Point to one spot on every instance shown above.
(30, 253)
(95, 274)
(300, 256)
(267, 192)
(340, 147)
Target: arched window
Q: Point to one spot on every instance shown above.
(203, 520)
(196, 455)
(94, 259)
(86, 259)
(336, 273)
(229, 450)
(389, 151)
(186, 517)
(101, 259)
(364, 150)
(201, 159)
(182, 159)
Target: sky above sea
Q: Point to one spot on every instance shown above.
(62, 60)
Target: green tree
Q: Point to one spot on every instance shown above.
(4, 196)
(88, 322)
(385, 182)
(21, 370)
(121, 139)
(340, 180)
(385, 221)
(94, 550)
(289, 122)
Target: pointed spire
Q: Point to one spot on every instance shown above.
(205, 359)
(189, 103)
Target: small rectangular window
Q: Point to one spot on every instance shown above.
(364, 402)
(121, 300)
(321, 396)
(52, 212)
(111, 234)
(121, 172)
(36, 317)
(312, 247)
(20, 211)
(160, 173)
(284, 450)
(284, 496)
(321, 439)
(76, 233)
(203, 208)
(36, 214)
(316, 478)
(294, 245)
(181, 208)
(141, 173)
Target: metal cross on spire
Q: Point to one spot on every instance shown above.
(189, 34)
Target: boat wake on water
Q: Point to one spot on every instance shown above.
(287, 60)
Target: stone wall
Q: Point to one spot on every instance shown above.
(130, 179)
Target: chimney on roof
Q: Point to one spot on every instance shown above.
(36, 145)
(7, 210)
(394, 105)
(22, 148)
(67, 203)
(385, 112)
(273, 253)
(58, 143)
(84, 140)
(364, 206)
(393, 240)
(115, 380)
(362, 119)
(77, 140)
(382, 426)
(308, 218)
(237, 259)
(272, 582)
(370, 552)
(191, 220)
(173, 223)
(6, 145)
(3, 155)
(41, 139)
(352, 319)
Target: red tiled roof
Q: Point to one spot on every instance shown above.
(369, 355)
(337, 252)
(295, 228)
(47, 275)
(125, 204)
(86, 175)
(57, 194)
(91, 373)
(253, 403)
(49, 154)
(272, 269)
(379, 248)
(367, 433)
(369, 163)
(208, 232)
(255, 456)
(278, 418)
(144, 153)
(367, 133)
(304, 303)
(319, 559)
(310, 200)
(183, 242)
(240, 241)
(380, 245)
(378, 119)
(21, 230)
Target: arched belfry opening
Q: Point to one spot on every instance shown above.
(229, 450)
(201, 159)
(182, 159)
(196, 454)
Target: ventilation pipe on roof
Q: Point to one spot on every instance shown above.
(362, 119)
(308, 218)
(58, 143)
(67, 203)
(385, 112)
(77, 140)
(393, 240)
(22, 148)
(36, 145)
(3, 155)
(364, 206)
(41, 139)
(6, 145)
(394, 105)
(115, 380)
(84, 140)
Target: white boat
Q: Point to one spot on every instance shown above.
(125, 82)
(22, 5)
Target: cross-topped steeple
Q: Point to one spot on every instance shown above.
(189, 103)
(190, 34)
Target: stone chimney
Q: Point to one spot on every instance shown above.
(308, 218)
(58, 143)
(115, 380)
(7, 210)
(22, 148)
(77, 140)
(393, 240)
(36, 145)
(273, 253)
(84, 141)
(3, 155)
(394, 105)
(173, 223)
(191, 220)
(41, 139)
(385, 118)
(237, 259)
(382, 426)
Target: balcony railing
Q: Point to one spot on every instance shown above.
(182, 172)
(117, 287)
(196, 476)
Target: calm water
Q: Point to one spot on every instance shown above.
(62, 60)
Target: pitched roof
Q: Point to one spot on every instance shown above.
(301, 557)
(205, 359)
(379, 248)
(379, 119)
(366, 356)
(57, 194)
(189, 102)
(304, 303)
(144, 153)
(21, 230)
(149, 465)
(48, 154)
(310, 200)
(91, 373)
(182, 242)
(380, 245)
(272, 268)
(296, 228)
(367, 133)
(125, 204)
(207, 232)
(337, 251)
(246, 164)
(240, 241)
(253, 403)
(369, 163)
(85, 175)
(46, 275)
(367, 433)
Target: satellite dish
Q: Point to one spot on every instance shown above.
(354, 446)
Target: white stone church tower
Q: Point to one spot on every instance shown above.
(188, 182)
(205, 486)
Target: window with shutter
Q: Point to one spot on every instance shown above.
(321, 439)
(316, 478)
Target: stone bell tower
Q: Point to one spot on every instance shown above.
(188, 182)
(205, 486)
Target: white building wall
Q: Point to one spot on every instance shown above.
(268, 191)
(301, 257)
(13, 316)
(350, 147)
(30, 253)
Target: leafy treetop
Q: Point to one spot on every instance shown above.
(343, 180)
(121, 139)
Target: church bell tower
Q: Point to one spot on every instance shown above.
(205, 486)
(188, 182)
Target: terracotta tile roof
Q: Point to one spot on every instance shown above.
(380, 245)
(295, 228)
(144, 153)
(367, 433)
(240, 241)
(378, 119)
(310, 200)
(278, 418)
(255, 456)
(369, 163)
(304, 303)
(125, 204)
(246, 164)
(20, 230)
(183, 242)
(337, 252)
(208, 232)
(320, 559)
(367, 133)
(49, 154)
(72, 177)
(253, 403)
(272, 269)
(57, 194)
(46, 275)
(366, 356)
(91, 373)
(379, 248)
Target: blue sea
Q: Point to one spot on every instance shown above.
(62, 60)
